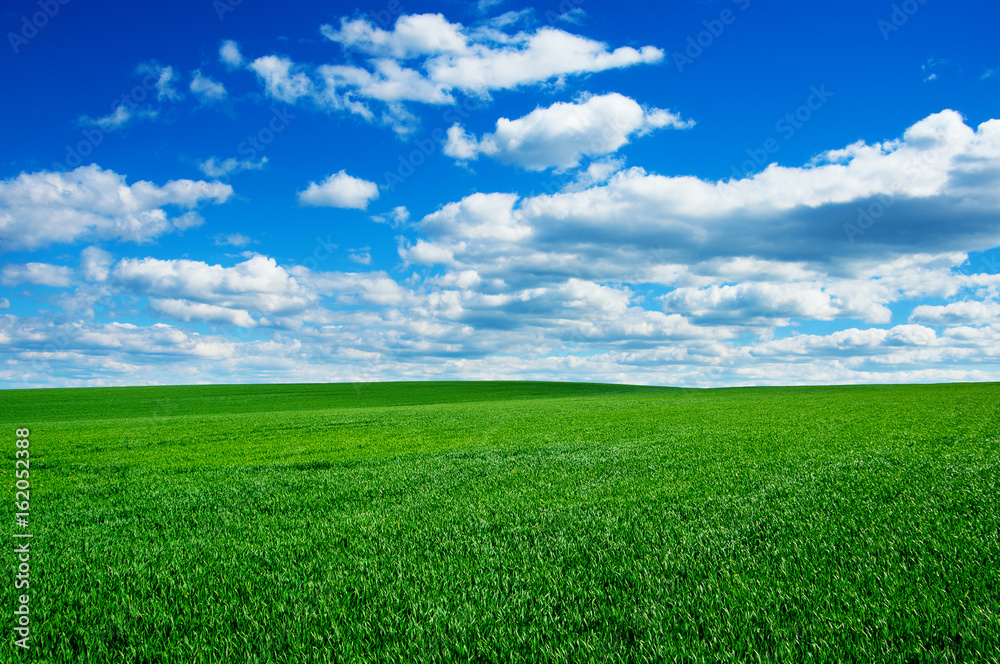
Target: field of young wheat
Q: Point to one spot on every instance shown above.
(516, 522)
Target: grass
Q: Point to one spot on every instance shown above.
(515, 522)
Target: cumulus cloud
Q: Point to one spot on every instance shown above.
(43, 208)
(408, 349)
(957, 313)
(123, 350)
(95, 264)
(412, 36)
(199, 311)
(367, 325)
(281, 78)
(560, 135)
(426, 59)
(851, 342)
(938, 185)
(257, 285)
(39, 274)
(464, 146)
(597, 172)
(206, 89)
(229, 54)
(371, 288)
(752, 303)
(340, 190)
(486, 217)
(622, 275)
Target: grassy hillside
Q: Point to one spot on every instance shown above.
(525, 522)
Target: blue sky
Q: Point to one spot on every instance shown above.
(697, 193)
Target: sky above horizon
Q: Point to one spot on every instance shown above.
(696, 193)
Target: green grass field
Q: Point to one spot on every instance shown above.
(513, 522)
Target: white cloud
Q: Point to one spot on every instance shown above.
(621, 276)
(206, 89)
(464, 146)
(957, 313)
(390, 82)
(371, 288)
(280, 78)
(425, 58)
(118, 118)
(468, 325)
(164, 86)
(198, 311)
(526, 59)
(165, 79)
(405, 348)
(233, 240)
(258, 284)
(483, 6)
(852, 341)
(511, 18)
(229, 53)
(43, 208)
(939, 185)
(217, 169)
(560, 135)
(412, 36)
(39, 274)
(95, 264)
(113, 350)
(398, 217)
(486, 217)
(360, 256)
(4, 303)
(340, 190)
(753, 303)
(597, 172)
